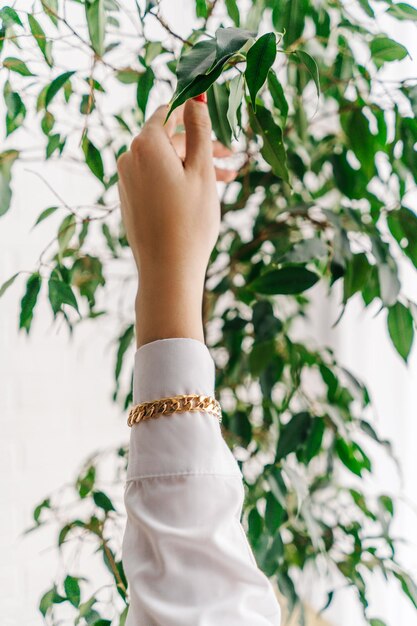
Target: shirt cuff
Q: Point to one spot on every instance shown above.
(181, 443)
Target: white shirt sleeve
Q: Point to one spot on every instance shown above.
(186, 556)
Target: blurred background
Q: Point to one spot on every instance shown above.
(56, 391)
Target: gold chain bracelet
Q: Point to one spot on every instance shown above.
(174, 404)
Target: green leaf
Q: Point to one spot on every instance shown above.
(289, 18)
(201, 8)
(16, 110)
(233, 11)
(401, 329)
(356, 276)
(277, 93)
(93, 158)
(103, 501)
(403, 11)
(383, 50)
(194, 62)
(18, 66)
(6, 162)
(259, 60)
(29, 300)
(54, 143)
(408, 586)
(66, 231)
(311, 67)
(60, 293)
(403, 226)
(293, 435)
(45, 214)
(199, 68)
(314, 440)
(236, 89)
(288, 280)
(361, 140)
(144, 86)
(367, 7)
(72, 590)
(273, 149)
(55, 86)
(8, 283)
(218, 101)
(352, 456)
(51, 9)
(38, 33)
(274, 513)
(85, 483)
(377, 622)
(50, 598)
(96, 22)
(124, 342)
(9, 16)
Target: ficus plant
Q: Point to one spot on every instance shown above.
(327, 161)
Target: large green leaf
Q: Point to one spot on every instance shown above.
(218, 102)
(273, 149)
(401, 329)
(6, 162)
(200, 68)
(288, 280)
(384, 49)
(96, 22)
(259, 60)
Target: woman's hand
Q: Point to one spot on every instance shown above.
(171, 212)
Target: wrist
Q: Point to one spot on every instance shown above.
(169, 307)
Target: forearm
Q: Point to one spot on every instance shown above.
(169, 305)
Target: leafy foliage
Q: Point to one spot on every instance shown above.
(328, 162)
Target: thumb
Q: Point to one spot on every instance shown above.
(199, 150)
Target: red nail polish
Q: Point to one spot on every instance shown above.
(201, 98)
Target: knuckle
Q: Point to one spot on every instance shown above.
(122, 162)
(137, 144)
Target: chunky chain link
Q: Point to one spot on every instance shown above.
(174, 404)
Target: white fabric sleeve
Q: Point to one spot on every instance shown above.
(186, 556)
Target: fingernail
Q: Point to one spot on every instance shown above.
(201, 98)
